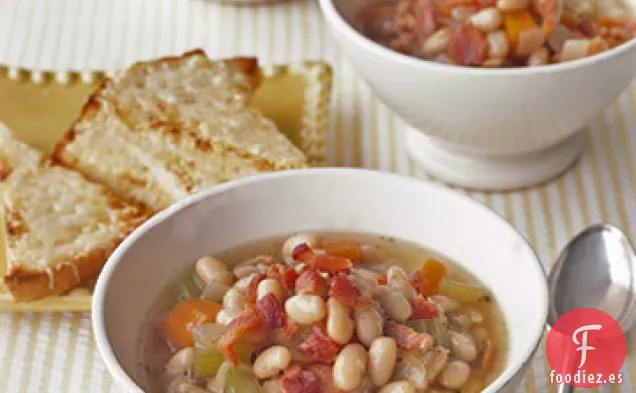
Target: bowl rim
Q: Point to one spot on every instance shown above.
(333, 16)
(97, 314)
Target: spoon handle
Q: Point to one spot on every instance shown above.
(565, 388)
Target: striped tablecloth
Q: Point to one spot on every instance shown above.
(56, 353)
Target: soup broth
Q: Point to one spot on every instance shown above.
(470, 321)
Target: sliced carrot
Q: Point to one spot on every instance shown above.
(331, 264)
(515, 22)
(350, 250)
(608, 22)
(431, 273)
(177, 325)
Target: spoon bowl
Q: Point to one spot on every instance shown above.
(597, 269)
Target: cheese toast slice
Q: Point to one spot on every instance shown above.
(59, 227)
(168, 128)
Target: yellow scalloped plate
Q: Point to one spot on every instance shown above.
(39, 109)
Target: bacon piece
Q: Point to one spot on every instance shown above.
(236, 331)
(252, 289)
(407, 338)
(287, 275)
(424, 308)
(588, 27)
(330, 263)
(346, 292)
(319, 346)
(324, 372)
(297, 380)
(467, 46)
(425, 23)
(270, 311)
(289, 329)
(310, 281)
(302, 253)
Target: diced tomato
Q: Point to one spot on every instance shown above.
(285, 274)
(344, 290)
(407, 338)
(424, 308)
(319, 346)
(302, 253)
(429, 277)
(297, 380)
(345, 249)
(467, 46)
(310, 281)
(177, 325)
(252, 289)
(236, 331)
(425, 23)
(271, 311)
(330, 264)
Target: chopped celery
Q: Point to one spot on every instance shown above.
(419, 325)
(207, 358)
(187, 286)
(465, 293)
(241, 379)
(435, 327)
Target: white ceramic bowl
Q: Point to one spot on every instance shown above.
(484, 127)
(311, 200)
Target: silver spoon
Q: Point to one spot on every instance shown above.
(597, 269)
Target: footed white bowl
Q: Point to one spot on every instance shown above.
(486, 128)
(313, 200)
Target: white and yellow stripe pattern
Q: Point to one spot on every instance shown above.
(56, 353)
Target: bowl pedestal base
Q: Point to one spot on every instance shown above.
(491, 172)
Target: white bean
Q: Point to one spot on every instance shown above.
(398, 280)
(398, 387)
(271, 361)
(461, 13)
(273, 286)
(575, 49)
(349, 367)
(447, 304)
(512, 5)
(244, 271)
(455, 375)
(209, 268)
(295, 240)
(530, 40)
(181, 361)
(227, 315)
(215, 291)
(497, 44)
(305, 309)
(436, 363)
(369, 325)
(397, 307)
(244, 282)
(234, 299)
(539, 57)
(462, 346)
(437, 42)
(487, 20)
(340, 326)
(382, 357)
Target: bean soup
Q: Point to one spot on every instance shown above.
(498, 33)
(323, 313)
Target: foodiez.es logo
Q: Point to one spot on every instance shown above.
(586, 348)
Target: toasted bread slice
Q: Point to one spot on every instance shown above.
(59, 227)
(168, 128)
